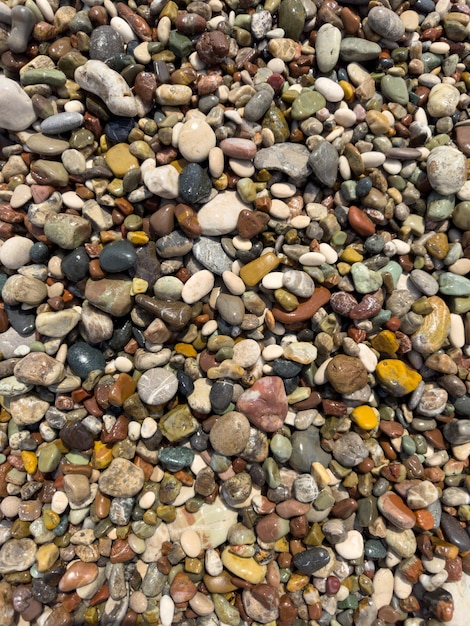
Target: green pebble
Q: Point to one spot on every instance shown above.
(281, 448)
(54, 78)
(374, 549)
(420, 443)
(307, 104)
(285, 574)
(394, 89)
(454, 285)
(324, 500)
(49, 458)
(439, 207)
(179, 44)
(394, 269)
(348, 190)
(438, 140)
(460, 305)
(275, 121)
(37, 346)
(271, 471)
(246, 189)
(292, 16)
(286, 299)
(351, 602)
(365, 280)
(408, 445)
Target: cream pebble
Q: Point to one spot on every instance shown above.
(191, 543)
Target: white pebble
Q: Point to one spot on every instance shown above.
(133, 431)
(22, 350)
(283, 190)
(330, 90)
(312, 259)
(59, 502)
(197, 287)
(300, 222)
(46, 10)
(234, 284)
(10, 506)
(123, 364)
(373, 159)
(74, 106)
(316, 211)
(272, 352)
(191, 543)
(72, 200)
(457, 331)
(213, 562)
(216, 162)
(320, 375)
(167, 611)
(242, 167)
(279, 210)
(345, 117)
(120, 25)
(383, 588)
(273, 280)
(147, 500)
(330, 254)
(149, 427)
(210, 327)
(240, 243)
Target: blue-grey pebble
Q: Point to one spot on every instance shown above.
(61, 123)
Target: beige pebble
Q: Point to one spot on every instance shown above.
(241, 167)
(300, 222)
(279, 210)
(191, 543)
(273, 280)
(272, 352)
(216, 162)
(283, 190)
(234, 284)
(410, 20)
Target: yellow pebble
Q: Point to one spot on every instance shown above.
(179, 165)
(137, 238)
(297, 582)
(102, 456)
(281, 545)
(139, 285)
(30, 461)
(186, 349)
(4, 416)
(254, 271)
(347, 88)
(365, 417)
(351, 256)
(397, 377)
(343, 268)
(221, 183)
(120, 160)
(50, 519)
(46, 556)
(104, 143)
(263, 176)
(385, 342)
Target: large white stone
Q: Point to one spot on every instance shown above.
(99, 79)
(16, 109)
(219, 216)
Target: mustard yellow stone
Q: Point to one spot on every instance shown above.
(137, 238)
(433, 332)
(281, 545)
(221, 183)
(397, 377)
(139, 285)
(347, 88)
(102, 456)
(46, 556)
(120, 160)
(245, 568)
(343, 268)
(252, 273)
(297, 582)
(50, 519)
(438, 246)
(186, 349)
(365, 417)
(385, 342)
(349, 255)
(30, 461)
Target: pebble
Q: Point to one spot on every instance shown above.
(157, 386)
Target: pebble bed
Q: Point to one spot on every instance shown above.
(234, 328)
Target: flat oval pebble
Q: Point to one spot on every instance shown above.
(157, 386)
